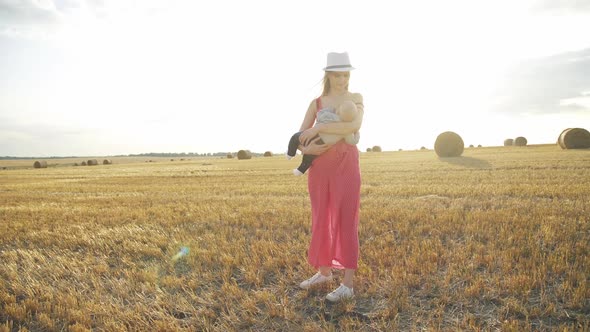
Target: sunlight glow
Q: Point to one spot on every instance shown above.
(187, 67)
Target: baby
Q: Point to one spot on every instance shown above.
(345, 112)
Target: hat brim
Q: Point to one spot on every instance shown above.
(339, 69)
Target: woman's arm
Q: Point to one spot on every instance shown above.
(315, 149)
(338, 128)
(309, 116)
(342, 128)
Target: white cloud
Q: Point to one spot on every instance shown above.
(554, 84)
(29, 18)
(563, 6)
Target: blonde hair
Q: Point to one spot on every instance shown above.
(327, 84)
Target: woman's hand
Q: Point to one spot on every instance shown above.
(315, 149)
(308, 135)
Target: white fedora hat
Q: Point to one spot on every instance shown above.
(338, 62)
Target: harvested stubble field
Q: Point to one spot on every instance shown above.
(497, 239)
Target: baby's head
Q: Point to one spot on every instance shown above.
(346, 111)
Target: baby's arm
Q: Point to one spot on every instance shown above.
(329, 117)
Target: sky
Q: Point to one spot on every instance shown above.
(111, 77)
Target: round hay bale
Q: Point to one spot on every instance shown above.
(229, 156)
(400, 149)
(508, 142)
(40, 164)
(423, 148)
(471, 146)
(449, 144)
(574, 138)
(479, 145)
(83, 163)
(376, 148)
(244, 154)
(268, 154)
(92, 162)
(559, 140)
(369, 149)
(520, 141)
(107, 162)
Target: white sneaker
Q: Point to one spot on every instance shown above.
(340, 293)
(296, 172)
(317, 279)
(288, 157)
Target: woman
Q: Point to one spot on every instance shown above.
(334, 183)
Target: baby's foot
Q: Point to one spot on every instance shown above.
(297, 172)
(288, 156)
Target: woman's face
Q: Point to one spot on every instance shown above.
(339, 80)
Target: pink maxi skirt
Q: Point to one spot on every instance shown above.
(334, 184)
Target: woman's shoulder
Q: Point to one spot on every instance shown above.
(356, 97)
(314, 105)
